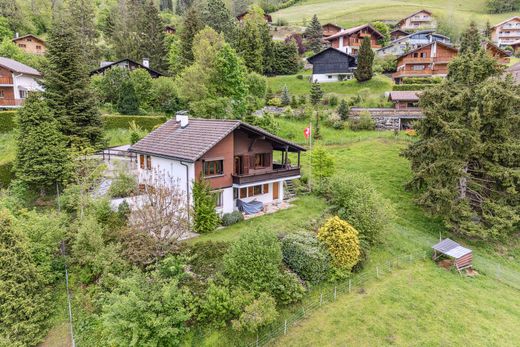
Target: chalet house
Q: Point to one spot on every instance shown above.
(126, 64)
(422, 19)
(515, 72)
(267, 17)
(330, 29)
(349, 40)
(332, 65)
(16, 81)
(411, 42)
(30, 44)
(427, 61)
(496, 52)
(235, 158)
(397, 34)
(404, 100)
(507, 32)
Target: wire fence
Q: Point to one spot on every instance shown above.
(330, 295)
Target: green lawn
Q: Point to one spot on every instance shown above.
(376, 87)
(354, 12)
(7, 147)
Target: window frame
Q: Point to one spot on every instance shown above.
(214, 170)
(218, 196)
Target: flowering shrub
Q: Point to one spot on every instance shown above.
(410, 132)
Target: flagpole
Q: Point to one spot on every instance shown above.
(310, 155)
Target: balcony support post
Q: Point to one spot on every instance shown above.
(298, 158)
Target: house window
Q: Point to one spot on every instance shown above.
(38, 47)
(145, 162)
(23, 94)
(219, 198)
(261, 160)
(329, 77)
(235, 193)
(418, 67)
(29, 40)
(2, 95)
(213, 168)
(21, 45)
(243, 193)
(148, 162)
(141, 161)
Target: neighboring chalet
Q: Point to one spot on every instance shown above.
(16, 81)
(126, 64)
(422, 19)
(496, 52)
(267, 17)
(427, 61)
(397, 34)
(516, 47)
(332, 65)
(330, 29)
(411, 42)
(400, 116)
(170, 30)
(30, 44)
(515, 72)
(235, 158)
(507, 32)
(349, 40)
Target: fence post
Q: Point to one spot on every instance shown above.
(349, 285)
(285, 328)
(334, 292)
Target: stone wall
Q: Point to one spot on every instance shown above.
(383, 123)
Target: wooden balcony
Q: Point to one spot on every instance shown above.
(278, 172)
(418, 60)
(11, 102)
(406, 73)
(6, 80)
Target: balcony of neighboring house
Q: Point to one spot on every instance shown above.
(6, 81)
(412, 73)
(262, 173)
(11, 103)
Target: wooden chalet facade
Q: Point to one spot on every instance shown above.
(236, 159)
(427, 61)
(397, 34)
(17, 80)
(330, 29)
(422, 19)
(332, 65)
(126, 64)
(349, 40)
(31, 44)
(507, 32)
(496, 52)
(412, 41)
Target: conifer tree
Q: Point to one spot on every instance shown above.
(364, 71)
(316, 93)
(67, 87)
(286, 98)
(314, 34)
(24, 298)
(190, 27)
(152, 41)
(469, 147)
(82, 13)
(127, 102)
(42, 160)
(343, 109)
(470, 40)
(487, 31)
(250, 43)
(205, 218)
(217, 16)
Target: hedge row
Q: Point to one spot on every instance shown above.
(6, 174)
(145, 122)
(411, 86)
(422, 80)
(7, 121)
(283, 5)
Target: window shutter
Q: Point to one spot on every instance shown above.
(252, 161)
(245, 165)
(268, 159)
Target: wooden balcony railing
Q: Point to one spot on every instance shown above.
(11, 102)
(402, 73)
(412, 112)
(276, 173)
(6, 80)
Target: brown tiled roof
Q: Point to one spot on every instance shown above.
(404, 95)
(190, 143)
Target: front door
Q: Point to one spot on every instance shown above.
(275, 190)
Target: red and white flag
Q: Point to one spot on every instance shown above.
(307, 132)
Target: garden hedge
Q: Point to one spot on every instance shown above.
(422, 80)
(7, 121)
(412, 86)
(6, 174)
(123, 122)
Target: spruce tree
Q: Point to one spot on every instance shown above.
(82, 13)
(250, 43)
(67, 87)
(343, 109)
(314, 34)
(42, 160)
(470, 40)
(316, 94)
(217, 16)
(468, 147)
(286, 97)
(190, 27)
(364, 71)
(487, 31)
(152, 41)
(24, 299)
(205, 217)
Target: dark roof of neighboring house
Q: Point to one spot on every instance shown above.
(16, 66)
(110, 64)
(400, 30)
(190, 143)
(399, 95)
(353, 30)
(505, 21)
(332, 60)
(413, 14)
(332, 25)
(28, 35)
(429, 44)
(404, 38)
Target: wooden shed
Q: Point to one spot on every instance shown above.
(462, 257)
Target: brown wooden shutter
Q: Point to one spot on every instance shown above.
(268, 159)
(141, 161)
(252, 161)
(245, 165)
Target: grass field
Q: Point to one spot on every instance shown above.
(7, 147)
(354, 12)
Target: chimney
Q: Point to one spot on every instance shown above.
(182, 117)
(17, 35)
(146, 62)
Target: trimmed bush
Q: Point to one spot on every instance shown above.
(413, 87)
(259, 313)
(306, 256)
(341, 239)
(122, 186)
(422, 80)
(7, 122)
(232, 218)
(123, 122)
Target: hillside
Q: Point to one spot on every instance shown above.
(354, 12)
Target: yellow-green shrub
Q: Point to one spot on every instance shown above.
(342, 242)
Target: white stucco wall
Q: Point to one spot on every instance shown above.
(323, 78)
(24, 82)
